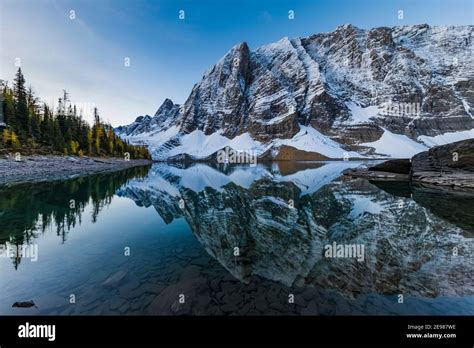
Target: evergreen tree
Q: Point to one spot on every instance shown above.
(46, 126)
(33, 115)
(8, 107)
(20, 105)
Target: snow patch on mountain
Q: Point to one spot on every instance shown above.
(155, 138)
(309, 139)
(199, 145)
(396, 145)
(361, 114)
(446, 138)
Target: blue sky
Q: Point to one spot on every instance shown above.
(86, 55)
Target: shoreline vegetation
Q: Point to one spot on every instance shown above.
(28, 126)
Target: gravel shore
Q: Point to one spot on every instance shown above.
(46, 168)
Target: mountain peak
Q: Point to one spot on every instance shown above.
(237, 51)
(347, 26)
(141, 118)
(166, 106)
(242, 46)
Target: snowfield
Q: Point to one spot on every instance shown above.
(396, 145)
(309, 139)
(199, 145)
(446, 138)
(361, 114)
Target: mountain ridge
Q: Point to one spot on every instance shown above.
(409, 84)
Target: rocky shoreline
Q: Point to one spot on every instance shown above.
(37, 168)
(450, 165)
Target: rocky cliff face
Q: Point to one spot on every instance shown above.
(350, 85)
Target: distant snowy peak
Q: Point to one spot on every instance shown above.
(361, 90)
(164, 118)
(139, 126)
(166, 115)
(165, 108)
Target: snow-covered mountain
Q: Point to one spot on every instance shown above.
(351, 92)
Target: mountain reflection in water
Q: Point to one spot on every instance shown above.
(237, 240)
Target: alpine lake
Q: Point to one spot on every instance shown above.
(286, 238)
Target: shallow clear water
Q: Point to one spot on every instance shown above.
(236, 240)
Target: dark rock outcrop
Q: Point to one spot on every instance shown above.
(447, 165)
(399, 166)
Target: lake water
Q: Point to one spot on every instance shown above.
(287, 238)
